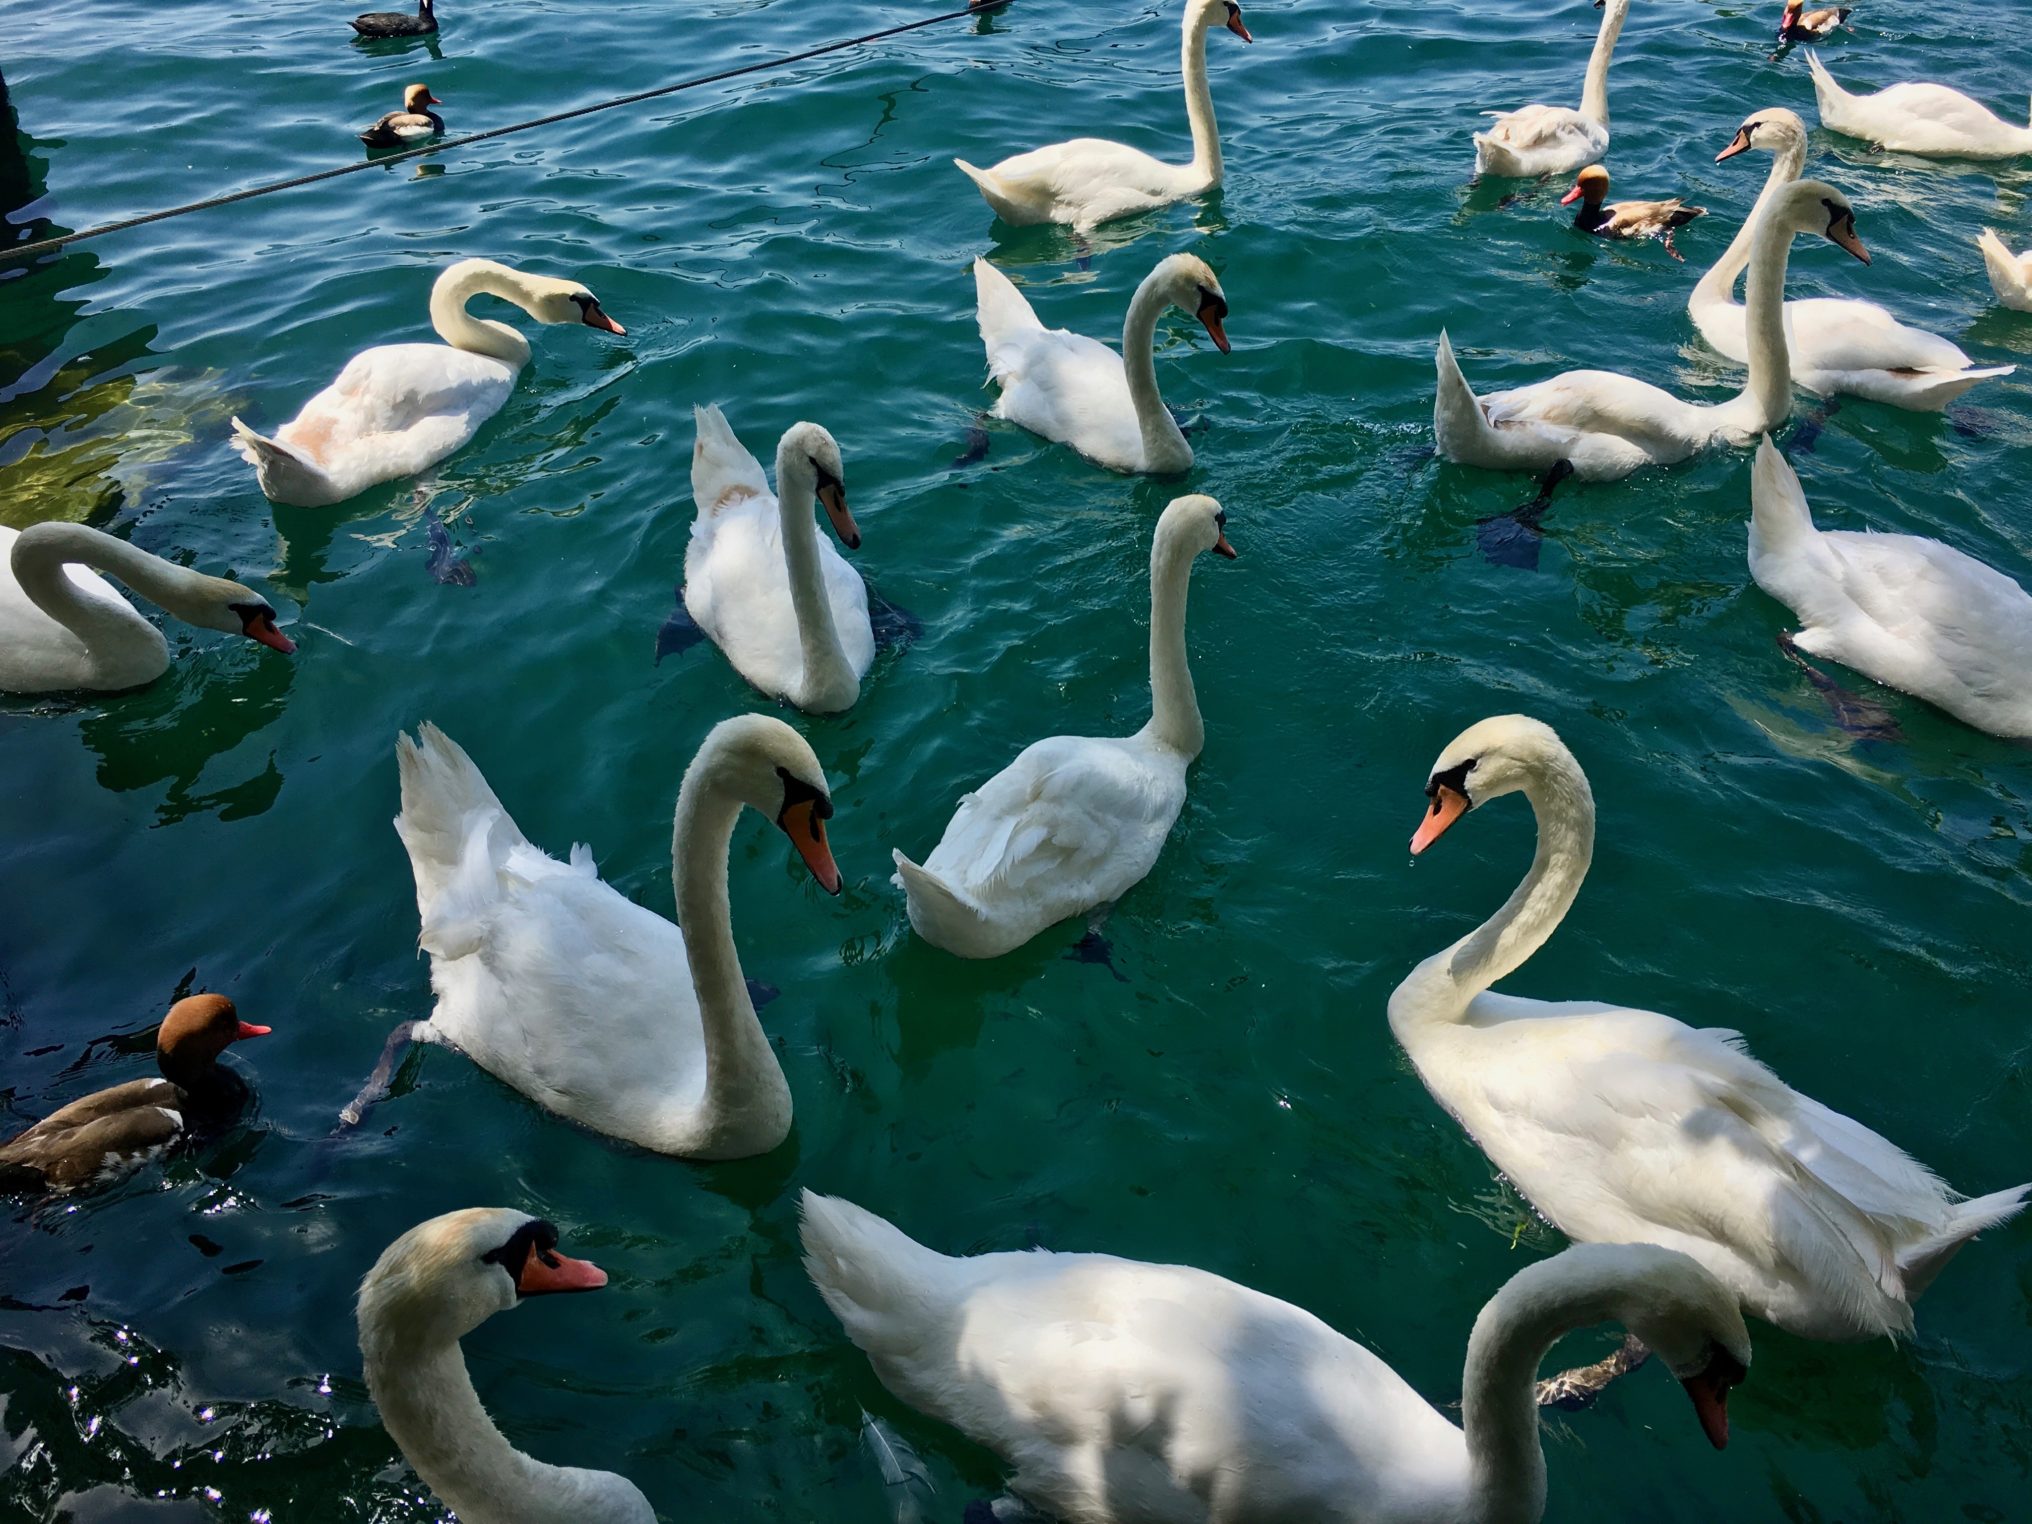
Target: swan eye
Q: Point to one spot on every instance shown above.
(535, 1236)
(1455, 778)
(796, 791)
(1221, 519)
(825, 479)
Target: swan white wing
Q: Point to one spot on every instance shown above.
(847, 592)
(1936, 107)
(1072, 389)
(1092, 179)
(723, 471)
(397, 409)
(1604, 402)
(737, 586)
(1539, 139)
(34, 648)
(1837, 334)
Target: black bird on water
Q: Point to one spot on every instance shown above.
(398, 23)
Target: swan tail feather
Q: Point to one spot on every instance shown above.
(941, 914)
(1824, 87)
(1780, 518)
(2007, 274)
(1920, 1263)
(723, 470)
(286, 474)
(1003, 314)
(441, 793)
(1459, 425)
(1494, 158)
(888, 1290)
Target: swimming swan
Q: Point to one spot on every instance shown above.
(1556, 140)
(1918, 119)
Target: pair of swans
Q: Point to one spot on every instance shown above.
(398, 409)
(1075, 822)
(1607, 425)
(1908, 612)
(1556, 140)
(2010, 274)
(62, 626)
(1918, 119)
(1625, 1126)
(1837, 345)
(1079, 392)
(1088, 181)
(590, 1005)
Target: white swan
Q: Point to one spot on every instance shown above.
(773, 594)
(1624, 1126)
(1089, 181)
(1908, 612)
(430, 1288)
(1079, 392)
(1557, 140)
(1131, 1393)
(1075, 821)
(590, 1005)
(1837, 345)
(2010, 274)
(1917, 119)
(398, 409)
(62, 625)
(1607, 424)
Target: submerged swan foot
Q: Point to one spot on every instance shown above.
(894, 626)
(1095, 948)
(978, 440)
(447, 568)
(1572, 1390)
(1863, 718)
(680, 631)
(1511, 539)
(382, 1080)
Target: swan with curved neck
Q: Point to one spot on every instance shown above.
(789, 612)
(590, 1005)
(1088, 181)
(430, 1288)
(1057, 1362)
(1557, 140)
(1917, 118)
(1079, 392)
(398, 409)
(1607, 425)
(1624, 1126)
(1836, 345)
(62, 625)
(1075, 822)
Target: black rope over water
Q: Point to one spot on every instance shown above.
(46, 245)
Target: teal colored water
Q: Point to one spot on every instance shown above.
(796, 245)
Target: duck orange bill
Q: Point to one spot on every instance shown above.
(546, 1273)
(1573, 195)
(806, 831)
(596, 317)
(248, 1029)
(834, 496)
(1223, 548)
(1448, 805)
(1710, 1393)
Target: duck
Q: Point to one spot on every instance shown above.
(398, 23)
(1075, 822)
(434, 1285)
(104, 1137)
(1625, 219)
(1838, 346)
(1903, 610)
(1088, 181)
(1799, 24)
(1132, 1393)
(1929, 120)
(759, 579)
(412, 124)
(398, 409)
(63, 627)
(1077, 391)
(1540, 140)
(2010, 274)
(562, 987)
(1608, 425)
(1621, 1125)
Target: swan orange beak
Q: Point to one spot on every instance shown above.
(1212, 314)
(248, 1029)
(1845, 235)
(547, 1273)
(596, 317)
(260, 625)
(801, 823)
(834, 495)
(1710, 1393)
(1448, 805)
(1740, 143)
(1223, 548)
(1235, 24)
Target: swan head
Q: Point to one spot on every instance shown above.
(416, 97)
(1592, 182)
(1197, 523)
(1774, 130)
(214, 603)
(808, 450)
(1690, 1320)
(770, 768)
(1814, 206)
(1201, 14)
(1489, 759)
(444, 1278)
(564, 301)
(1187, 281)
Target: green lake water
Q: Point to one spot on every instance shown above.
(796, 245)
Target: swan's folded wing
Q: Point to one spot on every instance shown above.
(723, 470)
(1539, 126)
(1832, 334)
(393, 394)
(1596, 401)
(1071, 388)
(1936, 106)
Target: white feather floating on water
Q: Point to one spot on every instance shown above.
(903, 1474)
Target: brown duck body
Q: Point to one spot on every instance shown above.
(400, 127)
(1807, 26)
(1625, 219)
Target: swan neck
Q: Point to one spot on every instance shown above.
(1162, 442)
(1594, 92)
(1719, 284)
(1199, 99)
(1565, 810)
(460, 284)
(1769, 388)
(38, 560)
(1174, 705)
(826, 669)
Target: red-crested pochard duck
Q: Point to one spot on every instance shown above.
(1802, 25)
(1625, 219)
(398, 23)
(412, 124)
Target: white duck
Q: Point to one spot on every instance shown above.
(2010, 274)
(1075, 821)
(430, 1288)
(1908, 612)
(398, 409)
(1557, 140)
(1625, 1126)
(590, 1005)
(1917, 119)
(1089, 181)
(63, 626)
(1079, 392)
(1837, 345)
(773, 594)
(1607, 425)
(1131, 1393)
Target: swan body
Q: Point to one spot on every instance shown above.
(1556, 140)
(1131, 1393)
(1607, 425)
(398, 409)
(412, 124)
(772, 593)
(2010, 274)
(1917, 119)
(590, 1005)
(1075, 821)
(62, 625)
(429, 1289)
(1625, 1126)
(1838, 346)
(1079, 392)
(1908, 612)
(1089, 181)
